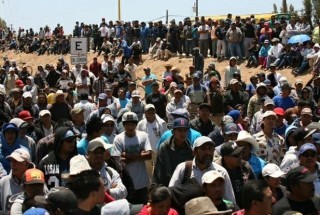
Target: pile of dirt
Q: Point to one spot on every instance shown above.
(157, 66)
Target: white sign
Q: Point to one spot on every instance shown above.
(78, 46)
(78, 59)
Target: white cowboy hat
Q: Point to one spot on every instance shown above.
(244, 136)
(59, 93)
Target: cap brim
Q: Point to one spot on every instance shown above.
(254, 143)
(15, 157)
(277, 174)
(310, 133)
(309, 178)
(237, 151)
(41, 199)
(34, 182)
(231, 132)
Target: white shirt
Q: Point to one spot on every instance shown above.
(132, 69)
(104, 31)
(87, 107)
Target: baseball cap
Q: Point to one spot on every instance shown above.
(268, 113)
(283, 80)
(235, 114)
(231, 128)
(230, 148)
(173, 84)
(168, 78)
(268, 102)
(98, 143)
(26, 95)
(69, 134)
(279, 111)
(146, 69)
(202, 205)
(285, 86)
(301, 133)
(299, 174)
(33, 176)
(180, 112)
(149, 106)
(226, 120)
(202, 140)
(211, 176)
(196, 75)
(234, 81)
(135, 93)
(78, 164)
(107, 118)
(20, 155)
(307, 146)
(19, 83)
(204, 105)
(299, 81)
(25, 115)
(130, 117)
(316, 138)
(44, 112)
(155, 83)
(267, 82)
(306, 111)
(272, 170)
(76, 111)
(60, 197)
(180, 123)
(102, 96)
(177, 91)
(36, 211)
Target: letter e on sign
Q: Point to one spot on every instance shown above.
(78, 46)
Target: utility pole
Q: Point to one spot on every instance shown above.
(167, 17)
(119, 10)
(197, 7)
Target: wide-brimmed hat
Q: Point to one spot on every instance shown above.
(245, 136)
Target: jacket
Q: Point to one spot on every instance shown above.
(52, 165)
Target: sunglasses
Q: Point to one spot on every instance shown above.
(307, 155)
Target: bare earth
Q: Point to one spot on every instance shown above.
(157, 66)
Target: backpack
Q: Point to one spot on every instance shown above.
(188, 189)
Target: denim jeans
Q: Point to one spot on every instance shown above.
(235, 50)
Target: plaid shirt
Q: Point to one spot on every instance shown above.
(99, 85)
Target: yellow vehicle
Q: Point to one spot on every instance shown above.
(266, 16)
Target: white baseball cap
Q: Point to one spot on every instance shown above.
(272, 170)
(211, 176)
(44, 112)
(78, 164)
(20, 155)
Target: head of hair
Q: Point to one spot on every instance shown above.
(93, 125)
(159, 193)
(63, 123)
(84, 183)
(253, 191)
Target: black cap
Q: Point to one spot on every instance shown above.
(230, 148)
(205, 105)
(155, 83)
(299, 174)
(286, 86)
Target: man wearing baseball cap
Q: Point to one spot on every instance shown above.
(305, 119)
(271, 144)
(214, 187)
(136, 105)
(284, 100)
(33, 185)
(20, 161)
(203, 123)
(281, 126)
(300, 183)
(202, 162)
(133, 147)
(45, 123)
(27, 105)
(158, 99)
(232, 161)
(172, 152)
(176, 103)
(147, 80)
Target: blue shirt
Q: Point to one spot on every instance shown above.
(82, 146)
(191, 136)
(257, 164)
(281, 131)
(284, 103)
(123, 102)
(148, 87)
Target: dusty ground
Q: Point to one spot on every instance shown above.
(157, 67)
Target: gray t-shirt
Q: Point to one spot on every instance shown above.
(134, 145)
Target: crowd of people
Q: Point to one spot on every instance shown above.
(85, 140)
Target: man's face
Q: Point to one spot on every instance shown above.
(161, 208)
(150, 114)
(246, 150)
(109, 126)
(306, 119)
(178, 96)
(215, 190)
(96, 158)
(68, 145)
(204, 114)
(305, 190)
(308, 159)
(122, 94)
(130, 127)
(233, 161)
(78, 118)
(180, 133)
(27, 101)
(230, 137)
(204, 154)
(18, 168)
(46, 119)
(270, 121)
(33, 190)
(10, 136)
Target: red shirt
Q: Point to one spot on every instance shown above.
(241, 212)
(94, 68)
(144, 211)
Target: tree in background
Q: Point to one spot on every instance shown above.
(3, 24)
(307, 9)
(284, 8)
(292, 11)
(316, 7)
(275, 8)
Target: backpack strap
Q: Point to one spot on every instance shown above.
(187, 171)
(109, 172)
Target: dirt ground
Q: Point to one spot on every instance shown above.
(157, 66)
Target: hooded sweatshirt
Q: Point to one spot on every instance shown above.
(32, 88)
(52, 165)
(5, 148)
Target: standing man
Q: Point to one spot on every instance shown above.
(133, 148)
(147, 80)
(197, 93)
(158, 100)
(203, 123)
(203, 31)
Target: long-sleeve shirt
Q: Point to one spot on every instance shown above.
(275, 50)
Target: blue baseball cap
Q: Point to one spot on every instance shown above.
(36, 211)
(316, 138)
(267, 82)
(180, 112)
(235, 114)
(231, 128)
(307, 146)
(68, 134)
(180, 123)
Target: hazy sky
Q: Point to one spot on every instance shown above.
(37, 13)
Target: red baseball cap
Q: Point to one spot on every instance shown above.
(19, 83)
(169, 78)
(279, 111)
(25, 115)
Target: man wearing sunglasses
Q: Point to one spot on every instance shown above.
(57, 162)
(308, 158)
(239, 170)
